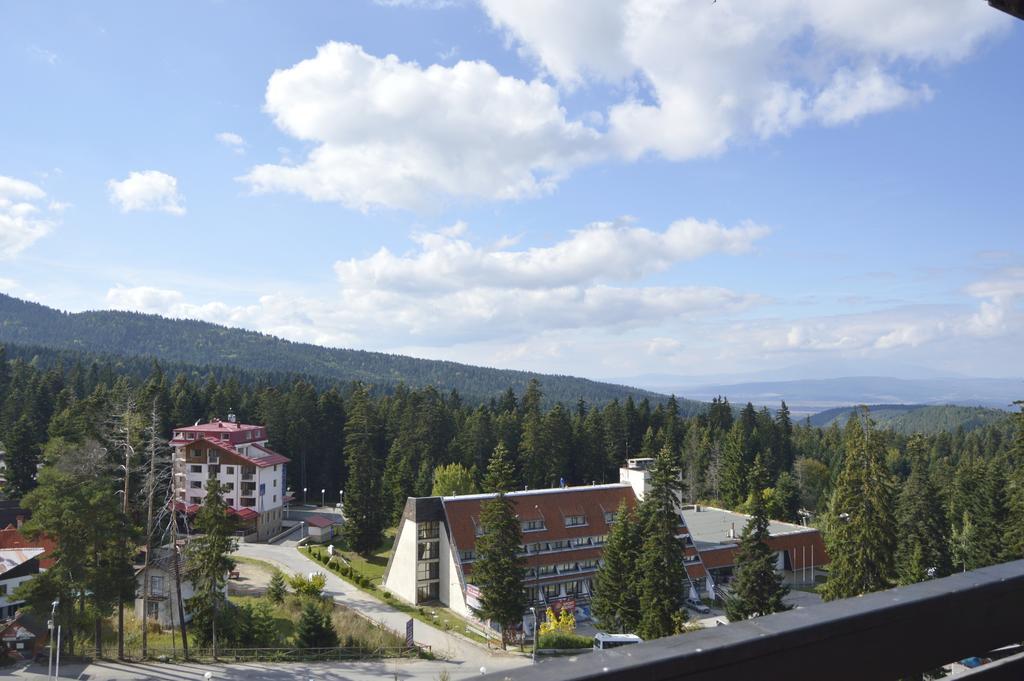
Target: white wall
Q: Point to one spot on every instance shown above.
(450, 590)
(402, 577)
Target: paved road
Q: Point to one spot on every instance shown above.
(453, 648)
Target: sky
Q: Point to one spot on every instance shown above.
(605, 189)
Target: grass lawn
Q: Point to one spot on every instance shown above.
(256, 563)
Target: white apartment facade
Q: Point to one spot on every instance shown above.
(252, 476)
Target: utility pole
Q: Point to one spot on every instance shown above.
(126, 424)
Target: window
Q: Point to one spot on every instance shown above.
(533, 525)
(426, 571)
(536, 548)
(228, 486)
(3, 589)
(153, 609)
(531, 594)
(552, 591)
(427, 550)
(466, 556)
(427, 592)
(599, 539)
(195, 468)
(574, 588)
(588, 564)
(212, 457)
(230, 470)
(230, 502)
(195, 484)
(195, 500)
(558, 545)
(428, 530)
(546, 570)
(275, 498)
(581, 541)
(575, 520)
(609, 517)
(214, 471)
(567, 567)
(275, 482)
(156, 584)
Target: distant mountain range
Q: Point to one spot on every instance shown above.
(916, 418)
(195, 343)
(810, 396)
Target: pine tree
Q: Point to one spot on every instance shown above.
(757, 588)
(500, 474)
(860, 527)
(1014, 537)
(663, 577)
(315, 628)
(499, 570)
(276, 589)
(209, 562)
(22, 458)
(616, 601)
(785, 499)
(732, 482)
(976, 496)
(921, 523)
(364, 515)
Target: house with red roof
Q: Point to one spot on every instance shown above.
(252, 476)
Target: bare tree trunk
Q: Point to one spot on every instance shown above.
(127, 421)
(177, 581)
(150, 491)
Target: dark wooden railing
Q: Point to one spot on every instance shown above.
(892, 634)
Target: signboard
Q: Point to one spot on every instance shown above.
(473, 596)
(567, 604)
(408, 634)
(263, 489)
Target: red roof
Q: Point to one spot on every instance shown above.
(320, 521)
(12, 538)
(270, 458)
(192, 509)
(550, 505)
(237, 433)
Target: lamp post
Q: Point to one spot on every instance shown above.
(322, 492)
(304, 490)
(535, 634)
(53, 617)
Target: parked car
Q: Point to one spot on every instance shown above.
(603, 641)
(697, 606)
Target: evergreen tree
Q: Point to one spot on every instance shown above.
(209, 562)
(616, 601)
(976, 496)
(276, 590)
(663, 577)
(757, 588)
(500, 474)
(784, 499)
(22, 458)
(860, 528)
(499, 570)
(1014, 535)
(732, 482)
(315, 628)
(921, 523)
(364, 517)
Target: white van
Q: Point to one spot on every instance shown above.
(604, 641)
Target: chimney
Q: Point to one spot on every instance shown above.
(732, 531)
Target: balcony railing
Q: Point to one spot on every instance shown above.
(892, 634)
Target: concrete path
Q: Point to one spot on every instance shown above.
(455, 649)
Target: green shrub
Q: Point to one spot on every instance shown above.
(561, 640)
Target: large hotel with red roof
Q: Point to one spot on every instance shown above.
(564, 533)
(252, 477)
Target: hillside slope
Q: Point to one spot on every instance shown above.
(191, 342)
(917, 418)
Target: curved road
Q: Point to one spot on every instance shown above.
(458, 651)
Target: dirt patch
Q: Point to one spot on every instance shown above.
(252, 579)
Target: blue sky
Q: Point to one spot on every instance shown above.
(672, 187)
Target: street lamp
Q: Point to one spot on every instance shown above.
(322, 492)
(535, 637)
(304, 496)
(53, 617)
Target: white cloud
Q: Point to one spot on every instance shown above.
(707, 73)
(7, 284)
(600, 252)
(144, 299)
(999, 299)
(232, 141)
(394, 134)
(147, 190)
(22, 219)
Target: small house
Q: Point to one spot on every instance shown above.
(321, 529)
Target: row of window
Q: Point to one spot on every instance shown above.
(563, 568)
(554, 592)
(538, 525)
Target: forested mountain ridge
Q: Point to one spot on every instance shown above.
(907, 419)
(131, 334)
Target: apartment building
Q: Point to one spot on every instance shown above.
(252, 476)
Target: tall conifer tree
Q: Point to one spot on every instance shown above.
(757, 588)
(364, 514)
(499, 569)
(616, 602)
(860, 527)
(663, 578)
(921, 523)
